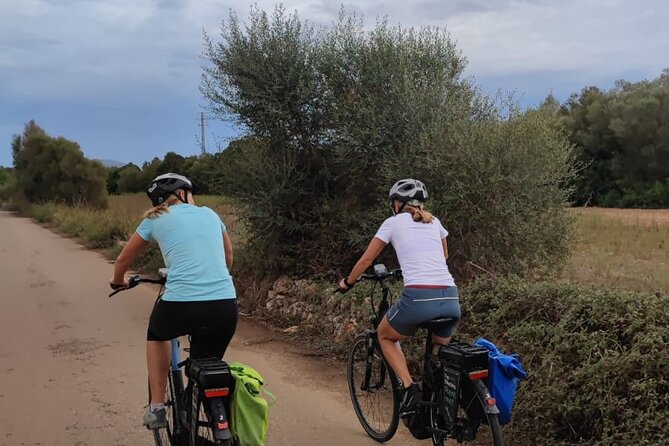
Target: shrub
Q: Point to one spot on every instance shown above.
(55, 169)
(597, 359)
(335, 117)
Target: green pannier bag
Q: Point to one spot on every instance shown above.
(249, 419)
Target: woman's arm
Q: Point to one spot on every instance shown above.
(444, 243)
(372, 252)
(227, 247)
(133, 249)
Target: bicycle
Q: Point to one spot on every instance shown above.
(197, 414)
(455, 401)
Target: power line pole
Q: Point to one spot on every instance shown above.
(203, 147)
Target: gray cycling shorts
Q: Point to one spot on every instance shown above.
(418, 305)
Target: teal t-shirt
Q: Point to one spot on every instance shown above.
(191, 241)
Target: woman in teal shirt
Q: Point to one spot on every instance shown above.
(199, 293)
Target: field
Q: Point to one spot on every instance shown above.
(132, 206)
(618, 248)
(625, 248)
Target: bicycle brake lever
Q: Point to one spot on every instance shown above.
(117, 291)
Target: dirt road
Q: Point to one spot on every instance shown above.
(72, 368)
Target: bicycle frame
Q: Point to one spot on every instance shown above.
(447, 386)
(375, 320)
(180, 418)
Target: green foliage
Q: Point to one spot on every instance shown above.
(131, 179)
(7, 183)
(5, 175)
(335, 117)
(55, 169)
(202, 170)
(622, 137)
(597, 360)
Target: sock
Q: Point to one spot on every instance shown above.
(157, 406)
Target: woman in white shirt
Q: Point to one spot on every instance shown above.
(429, 291)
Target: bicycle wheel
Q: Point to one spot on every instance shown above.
(166, 436)
(474, 426)
(373, 388)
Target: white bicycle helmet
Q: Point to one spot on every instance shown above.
(408, 190)
(165, 185)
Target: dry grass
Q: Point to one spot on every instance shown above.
(132, 206)
(624, 248)
(108, 229)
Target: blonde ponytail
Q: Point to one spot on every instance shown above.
(161, 209)
(418, 213)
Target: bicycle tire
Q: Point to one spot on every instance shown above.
(165, 436)
(487, 432)
(384, 392)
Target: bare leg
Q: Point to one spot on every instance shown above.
(158, 362)
(389, 340)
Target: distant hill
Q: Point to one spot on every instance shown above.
(111, 164)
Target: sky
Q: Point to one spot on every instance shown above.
(121, 77)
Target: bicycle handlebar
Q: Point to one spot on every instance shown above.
(136, 280)
(395, 273)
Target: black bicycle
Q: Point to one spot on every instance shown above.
(455, 400)
(197, 413)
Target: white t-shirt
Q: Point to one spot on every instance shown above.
(419, 249)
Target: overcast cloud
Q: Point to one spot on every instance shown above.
(121, 76)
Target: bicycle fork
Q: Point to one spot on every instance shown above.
(366, 385)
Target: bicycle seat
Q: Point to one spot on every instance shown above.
(435, 323)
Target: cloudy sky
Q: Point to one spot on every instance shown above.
(121, 76)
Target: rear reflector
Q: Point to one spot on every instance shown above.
(479, 374)
(213, 393)
(222, 426)
(491, 401)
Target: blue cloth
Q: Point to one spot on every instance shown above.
(506, 371)
(191, 241)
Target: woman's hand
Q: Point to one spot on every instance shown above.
(344, 286)
(118, 285)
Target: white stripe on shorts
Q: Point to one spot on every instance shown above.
(436, 298)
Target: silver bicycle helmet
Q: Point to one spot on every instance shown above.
(408, 190)
(165, 185)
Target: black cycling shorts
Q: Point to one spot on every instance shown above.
(210, 324)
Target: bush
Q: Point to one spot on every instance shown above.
(55, 169)
(7, 184)
(336, 117)
(597, 360)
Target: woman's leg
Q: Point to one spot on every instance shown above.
(158, 363)
(389, 339)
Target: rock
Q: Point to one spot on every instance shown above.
(282, 285)
(291, 330)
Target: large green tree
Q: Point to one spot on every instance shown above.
(622, 138)
(55, 169)
(335, 116)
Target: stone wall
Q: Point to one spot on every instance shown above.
(310, 308)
